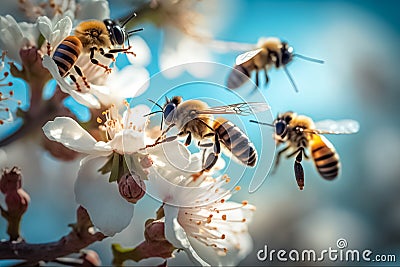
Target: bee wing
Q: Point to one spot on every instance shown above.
(239, 109)
(247, 56)
(336, 127)
(224, 46)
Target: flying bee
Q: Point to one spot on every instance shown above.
(90, 37)
(194, 118)
(300, 133)
(271, 52)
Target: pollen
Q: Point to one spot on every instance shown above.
(99, 120)
(223, 236)
(245, 202)
(224, 217)
(237, 188)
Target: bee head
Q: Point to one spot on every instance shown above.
(170, 107)
(115, 32)
(282, 122)
(287, 53)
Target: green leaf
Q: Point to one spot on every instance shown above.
(41, 40)
(107, 166)
(115, 169)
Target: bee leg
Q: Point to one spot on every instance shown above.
(48, 47)
(121, 50)
(96, 62)
(188, 139)
(165, 140)
(266, 77)
(205, 144)
(298, 170)
(210, 161)
(106, 55)
(257, 78)
(78, 88)
(164, 132)
(278, 156)
(217, 144)
(83, 77)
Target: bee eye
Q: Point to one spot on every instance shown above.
(287, 53)
(280, 127)
(118, 35)
(169, 110)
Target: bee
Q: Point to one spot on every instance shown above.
(90, 37)
(300, 133)
(194, 119)
(271, 52)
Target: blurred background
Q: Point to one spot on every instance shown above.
(358, 41)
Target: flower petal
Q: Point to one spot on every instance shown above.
(176, 235)
(109, 212)
(135, 116)
(142, 51)
(45, 27)
(127, 141)
(174, 155)
(86, 99)
(68, 132)
(93, 9)
(129, 82)
(63, 28)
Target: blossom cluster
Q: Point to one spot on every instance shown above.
(121, 164)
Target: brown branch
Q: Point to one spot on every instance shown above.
(79, 238)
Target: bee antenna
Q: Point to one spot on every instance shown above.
(162, 121)
(128, 19)
(155, 103)
(133, 31)
(291, 79)
(151, 113)
(262, 123)
(319, 61)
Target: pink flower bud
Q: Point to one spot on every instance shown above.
(131, 187)
(146, 162)
(17, 202)
(154, 231)
(10, 180)
(90, 259)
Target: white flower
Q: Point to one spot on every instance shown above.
(14, 36)
(92, 9)
(32, 9)
(55, 30)
(179, 50)
(84, 10)
(106, 207)
(198, 217)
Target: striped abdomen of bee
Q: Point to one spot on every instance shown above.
(237, 77)
(325, 157)
(236, 141)
(67, 53)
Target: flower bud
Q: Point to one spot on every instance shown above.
(90, 259)
(10, 180)
(17, 202)
(154, 231)
(131, 187)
